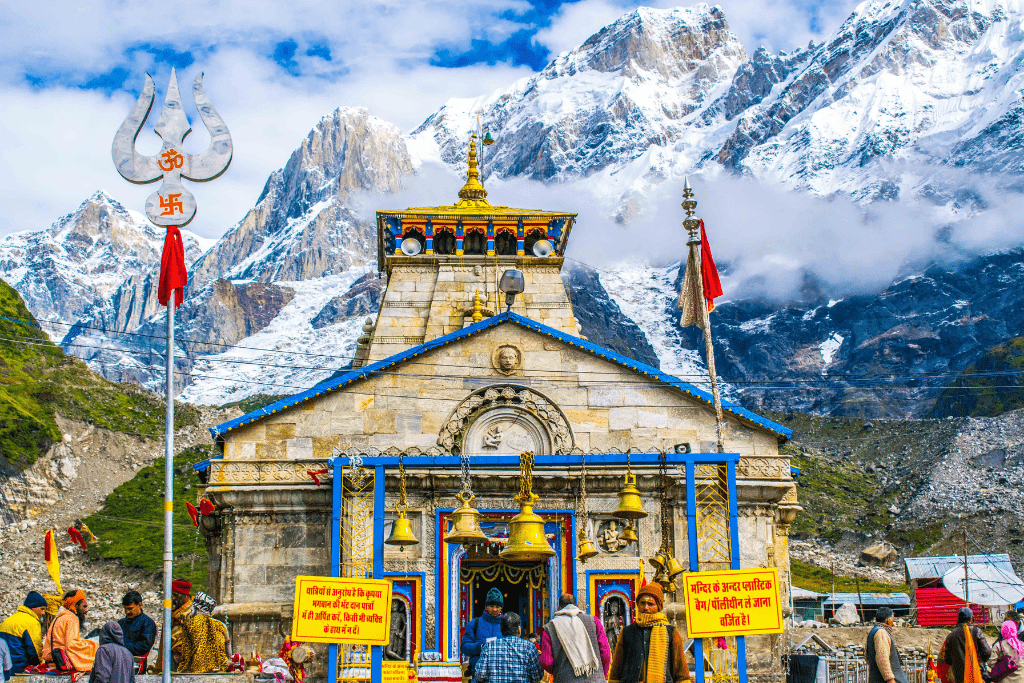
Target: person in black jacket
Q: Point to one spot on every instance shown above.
(139, 630)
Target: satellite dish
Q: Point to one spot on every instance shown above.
(411, 246)
(542, 248)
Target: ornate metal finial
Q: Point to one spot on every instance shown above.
(473, 192)
(689, 205)
(478, 312)
(172, 204)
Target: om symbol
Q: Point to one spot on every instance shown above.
(170, 160)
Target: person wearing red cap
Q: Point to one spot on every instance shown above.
(65, 632)
(650, 650)
(198, 641)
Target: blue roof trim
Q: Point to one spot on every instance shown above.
(532, 325)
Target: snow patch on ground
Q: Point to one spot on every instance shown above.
(288, 355)
(829, 347)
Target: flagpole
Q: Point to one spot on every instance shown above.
(165, 674)
(692, 226)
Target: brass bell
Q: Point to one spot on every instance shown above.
(465, 524)
(629, 534)
(630, 505)
(585, 550)
(401, 532)
(673, 568)
(526, 537)
(659, 560)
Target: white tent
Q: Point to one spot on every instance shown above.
(987, 584)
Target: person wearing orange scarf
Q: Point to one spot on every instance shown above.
(965, 648)
(65, 633)
(649, 650)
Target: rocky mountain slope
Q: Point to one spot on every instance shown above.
(83, 259)
(892, 106)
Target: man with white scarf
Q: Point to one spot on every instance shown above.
(574, 647)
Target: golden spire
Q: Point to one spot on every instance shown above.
(473, 192)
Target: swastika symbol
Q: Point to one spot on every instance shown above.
(170, 160)
(171, 204)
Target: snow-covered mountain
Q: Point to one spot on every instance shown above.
(898, 103)
(84, 258)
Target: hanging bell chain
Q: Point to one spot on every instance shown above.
(525, 495)
(401, 481)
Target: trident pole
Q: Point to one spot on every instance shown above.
(171, 206)
(165, 674)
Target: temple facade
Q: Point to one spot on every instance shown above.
(450, 369)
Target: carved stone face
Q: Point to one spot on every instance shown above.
(508, 358)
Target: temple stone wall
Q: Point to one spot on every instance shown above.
(608, 407)
(428, 297)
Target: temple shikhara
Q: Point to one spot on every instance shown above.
(476, 358)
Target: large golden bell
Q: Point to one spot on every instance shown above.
(630, 505)
(401, 532)
(629, 534)
(673, 568)
(465, 524)
(585, 550)
(526, 538)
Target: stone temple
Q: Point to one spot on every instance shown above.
(446, 370)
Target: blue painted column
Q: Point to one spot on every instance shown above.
(691, 535)
(459, 234)
(490, 238)
(429, 234)
(520, 239)
(376, 651)
(332, 649)
(734, 553)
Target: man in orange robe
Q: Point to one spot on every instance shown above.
(65, 633)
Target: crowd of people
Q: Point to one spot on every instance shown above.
(46, 635)
(573, 647)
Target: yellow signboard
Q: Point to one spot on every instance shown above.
(740, 602)
(395, 672)
(337, 610)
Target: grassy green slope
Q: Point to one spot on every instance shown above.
(38, 380)
(979, 394)
(131, 524)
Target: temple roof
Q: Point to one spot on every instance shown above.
(347, 378)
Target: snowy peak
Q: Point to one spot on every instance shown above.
(301, 227)
(671, 43)
(82, 258)
(629, 87)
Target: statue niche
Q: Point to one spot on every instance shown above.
(398, 642)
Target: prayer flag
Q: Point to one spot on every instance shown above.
(694, 295)
(51, 560)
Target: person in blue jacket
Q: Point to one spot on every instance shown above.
(484, 628)
(23, 632)
(138, 629)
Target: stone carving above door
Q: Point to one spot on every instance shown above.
(506, 420)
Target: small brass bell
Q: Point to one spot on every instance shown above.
(465, 524)
(401, 532)
(659, 560)
(585, 550)
(630, 505)
(488, 140)
(629, 534)
(526, 537)
(673, 568)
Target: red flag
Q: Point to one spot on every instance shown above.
(206, 507)
(77, 537)
(316, 475)
(708, 271)
(193, 513)
(173, 274)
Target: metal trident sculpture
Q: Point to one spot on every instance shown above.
(172, 204)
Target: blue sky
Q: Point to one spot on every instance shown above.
(69, 74)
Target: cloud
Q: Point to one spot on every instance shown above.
(771, 244)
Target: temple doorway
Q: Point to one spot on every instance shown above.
(522, 586)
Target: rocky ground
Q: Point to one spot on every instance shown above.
(66, 485)
(918, 484)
